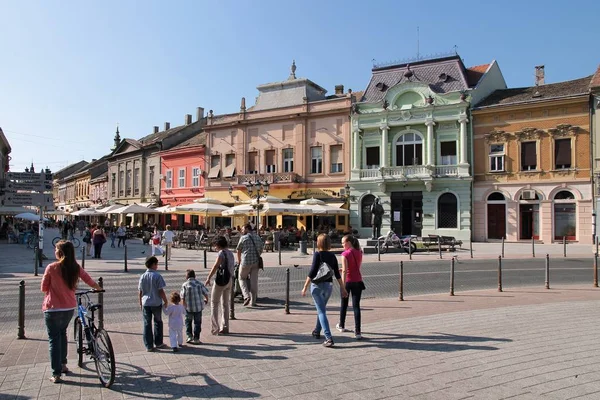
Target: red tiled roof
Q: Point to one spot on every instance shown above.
(479, 68)
(475, 73)
(595, 79)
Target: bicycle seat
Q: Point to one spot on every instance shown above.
(94, 307)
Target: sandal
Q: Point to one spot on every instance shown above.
(56, 379)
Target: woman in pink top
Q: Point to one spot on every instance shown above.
(59, 284)
(351, 262)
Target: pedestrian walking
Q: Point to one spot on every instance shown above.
(175, 311)
(98, 238)
(87, 239)
(221, 290)
(152, 297)
(249, 249)
(58, 285)
(168, 236)
(194, 295)
(81, 226)
(121, 234)
(352, 279)
(112, 235)
(321, 285)
(156, 247)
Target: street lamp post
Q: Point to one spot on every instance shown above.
(255, 190)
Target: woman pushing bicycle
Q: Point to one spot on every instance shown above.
(58, 285)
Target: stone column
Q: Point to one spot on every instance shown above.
(430, 150)
(355, 150)
(463, 140)
(384, 145)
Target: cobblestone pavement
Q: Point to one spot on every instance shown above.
(525, 343)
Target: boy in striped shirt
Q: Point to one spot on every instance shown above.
(194, 295)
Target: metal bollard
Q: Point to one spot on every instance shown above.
(503, 247)
(232, 300)
(547, 271)
(101, 302)
(125, 258)
(595, 269)
(40, 259)
(499, 273)
(401, 283)
(378, 250)
(35, 261)
(532, 246)
(452, 277)
(440, 246)
(166, 257)
(205, 262)
(410, 247)
(279, 252)
(564, 246)
(471, 247)
(597, 238)
(287, 290)
(21, 321)
(83, 257)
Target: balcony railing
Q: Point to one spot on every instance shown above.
(446, 170)
(279, 177)
(412, 172)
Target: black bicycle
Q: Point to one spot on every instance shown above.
(97, 342)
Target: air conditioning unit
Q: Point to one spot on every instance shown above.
(201, 171)
(528, 195)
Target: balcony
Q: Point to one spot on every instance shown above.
(411, 172)
(278, 177)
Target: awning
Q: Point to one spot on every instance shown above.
(229, 170)
(147, 204)
(214, 172)
(13, 210)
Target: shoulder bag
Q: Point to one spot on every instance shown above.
(261, 264)
(324, 273)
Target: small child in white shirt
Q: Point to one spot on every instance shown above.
(176, 312)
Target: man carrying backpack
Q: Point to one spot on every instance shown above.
(222, 270)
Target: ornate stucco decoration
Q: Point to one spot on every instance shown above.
(497, 137)
(564, 130)
(529, 134)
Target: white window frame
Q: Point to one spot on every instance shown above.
(449, 160)
(288, 163)
(169, 179)
(497, 155)
(196, 177)
(180, 178)
(318, 159)
(336, 168)
(271, 169)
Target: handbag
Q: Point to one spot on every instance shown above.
(223, 276)
(261, 264)
(324, 273)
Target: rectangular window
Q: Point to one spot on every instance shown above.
(121, 183)
(372, 159)
(288, 160)
(113, 186)
(313, 129)
(169, 179)
(528, 156)
(181, 182)
(316, 156)
(448, 153)
(136, 181)
(270, 167)
(229, 171)
(151, 179)
(496, 158)
(252, 162)
(336, 158)
(128, 182)
(215, 167)
(562, 153)
(196, 177)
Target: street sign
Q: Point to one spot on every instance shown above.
(27, 199)
(28, 186)
(28, 176)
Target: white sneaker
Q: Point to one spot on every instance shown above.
(339, 328)
(358, 336)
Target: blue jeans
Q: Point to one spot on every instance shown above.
(321, 293)
(151, 340)
(56, 325)
(197, 318)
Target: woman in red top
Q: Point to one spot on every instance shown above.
(59, 284)
(351, 262)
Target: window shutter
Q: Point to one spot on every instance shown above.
(448, 148)
(562, 152)
(252, 158)
(528, 155)
(270, 157)
(336, 154)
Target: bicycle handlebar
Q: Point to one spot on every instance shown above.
(89, 291)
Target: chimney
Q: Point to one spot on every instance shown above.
(339, 89)
(188, 119)
(199, 113)
(156, 129)
(167, 126)
(539, 75)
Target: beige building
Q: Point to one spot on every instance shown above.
(295, 137)
(63, 198)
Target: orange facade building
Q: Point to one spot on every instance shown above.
(532, 175)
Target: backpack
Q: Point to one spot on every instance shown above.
(223, 276)
(87, 237)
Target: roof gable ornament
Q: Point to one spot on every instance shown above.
(497, 137)
(292, 71)
(529, 134)
(563, 130)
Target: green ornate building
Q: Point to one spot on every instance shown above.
(411, 146)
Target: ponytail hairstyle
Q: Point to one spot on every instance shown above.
(69, 269)
(353, 241)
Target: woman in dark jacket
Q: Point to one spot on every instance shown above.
(322, 291)
(98, 239)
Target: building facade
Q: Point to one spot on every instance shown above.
(63, 198)
(532, 163)
(295, 137)
(99, 189)
(411, 141)
(5, 150)
(183, 169)
(86, 193)
(134, 166)
(595, 111)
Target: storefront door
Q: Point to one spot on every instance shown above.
(407, 213)
(496, 221)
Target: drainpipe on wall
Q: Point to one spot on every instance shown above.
(472, 171)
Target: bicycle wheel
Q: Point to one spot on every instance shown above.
(78, 335)
(75, 242)
(30, 242)
(382, 246)
(55, 240)
(104, 358)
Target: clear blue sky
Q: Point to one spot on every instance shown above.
(70, 70)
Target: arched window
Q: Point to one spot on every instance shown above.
(409, 150)
(447, 211)
(564, 195)
(365, 207)
(565, 216)
(496, 196)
